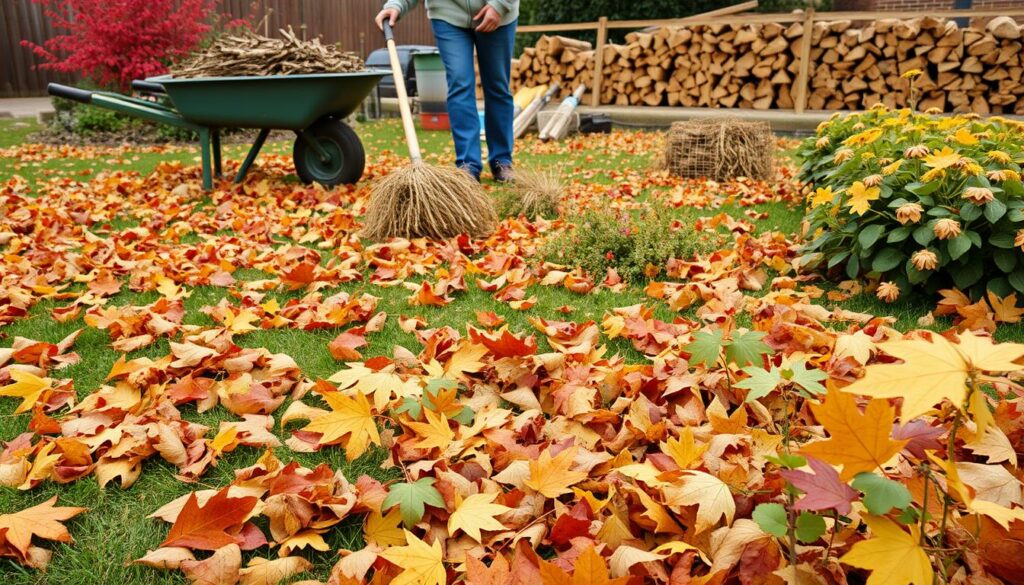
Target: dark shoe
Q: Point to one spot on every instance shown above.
(475, 175)
(502, 172)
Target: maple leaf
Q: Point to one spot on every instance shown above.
(43, 520)
(212, 526)
(26, 386)
(893, 556)
(348, 416)
(477, 573)
(551, 476)
(706, 347)
(589, 569)
(858, 441)
(823, 488)
(1005, 309)
(383, 529)
(477, 513)
(746, 347)
(270, 572)
(684, 450)
(421, 563)
(861, 197)
(711, 495)
(344, 347)
(435, 432)
(221, 568)
(934, 371)
(411, 499)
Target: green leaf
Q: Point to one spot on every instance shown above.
(746, 348)
(965, 275)
(1002, 240)
(887, 259)
(786, 460)
(899, 234)
(760, 382)
(924, 235)
(838, 258)
(995, 210)
(807, 378)
(922, 188)
(412, 406)
(771, 518)
(881, 494)
(970, 212)
(706, 347)
(870, 234)
(1006, 260)
(958, 246)
(411, 499)
(1016, 279)
(853, 267)
(809, 527)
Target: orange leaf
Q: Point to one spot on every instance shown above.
(212, 526)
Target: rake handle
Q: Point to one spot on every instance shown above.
(403, 97)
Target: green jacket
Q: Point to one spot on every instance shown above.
(459, 12)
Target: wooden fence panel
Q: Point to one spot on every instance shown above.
(349, 22)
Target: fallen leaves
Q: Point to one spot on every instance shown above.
(43, 522)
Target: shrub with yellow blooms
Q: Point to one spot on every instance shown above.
(917, 200)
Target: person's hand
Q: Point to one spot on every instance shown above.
(489, 19)
(389, 14)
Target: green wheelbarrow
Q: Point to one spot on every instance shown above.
(326, 150)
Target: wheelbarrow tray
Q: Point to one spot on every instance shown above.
(288, 102)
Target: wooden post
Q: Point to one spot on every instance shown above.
(598, 81)
(805, 63)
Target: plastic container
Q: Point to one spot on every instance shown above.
(431, 83)
(434, 121)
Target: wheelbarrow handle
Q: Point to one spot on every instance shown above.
(69, 93)
(147, 86)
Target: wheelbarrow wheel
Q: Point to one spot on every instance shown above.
(345, 155)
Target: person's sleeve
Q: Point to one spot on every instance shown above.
(402, 6)
(503, 6)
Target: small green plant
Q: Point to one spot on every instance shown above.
(91, 120)
(637, 248)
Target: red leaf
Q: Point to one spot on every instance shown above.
(824, 488)
(575, 523)
(212, 526)
(344, 346)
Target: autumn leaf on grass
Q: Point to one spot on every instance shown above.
(551, 476)
(348, 416)
(345, 346)
(43, 521)
(411, 499)
(476, 513)
(934, 371)
(382, 529)
(433, 433)
(823, 488)
(893, 556)
(858, 441)
(589, 569)
(26, 386)
(212, 526)
(421, 563)
(710, 494)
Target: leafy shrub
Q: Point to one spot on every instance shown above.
(90, 120)
(918, 200)
(601, 240)
(112, 43)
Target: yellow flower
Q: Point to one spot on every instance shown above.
(946, 229)
(861, 197)
(892, 168)
(909, 213)
(978, 195)
(932, 175)
(842, 155)
(867, 155)
(821, 197)
(964, 136)
(888, 292)
(971, 168)
(1003, 175)
(924, 260)
(863, 138)
(822, 142)
(942, 159)
(998, 156)
(911, 73)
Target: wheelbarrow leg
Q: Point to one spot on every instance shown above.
(215, 140)
(253, 153)
(204, 146)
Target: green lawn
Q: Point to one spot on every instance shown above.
(115, 530)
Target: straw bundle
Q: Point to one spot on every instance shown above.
(720, 149)
(533, 193)
(422, 200)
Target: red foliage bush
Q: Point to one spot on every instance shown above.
(112, 42)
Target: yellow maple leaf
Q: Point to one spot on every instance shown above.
(822, 196)
(476, 513)
(710, 494)
(861, 197)
(435, 432)
(241, 322)
(859, 442)
(942, 159)
(964, 136)
(893, 556)
(421, 563)
(348, 416)
(684, 450)
(935, 371)
(383, 529)
(465, 360)
(589, 569)
(42, 521)
(551, 476)
(26, 386)
(384, 384)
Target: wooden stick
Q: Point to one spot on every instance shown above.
(598, 81)
(805, 63)
(403, 97)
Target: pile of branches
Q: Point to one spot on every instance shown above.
(249, 54)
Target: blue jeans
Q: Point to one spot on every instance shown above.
(494, 51)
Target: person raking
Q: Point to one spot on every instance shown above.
(460, 26)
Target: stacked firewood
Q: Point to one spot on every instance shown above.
(246, 53)
(852, 65)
